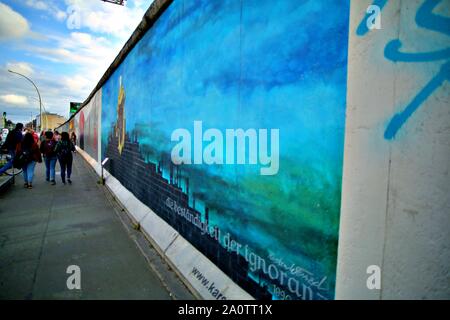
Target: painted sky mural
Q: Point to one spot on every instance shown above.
(252, 65)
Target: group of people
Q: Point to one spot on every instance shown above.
(26, 149)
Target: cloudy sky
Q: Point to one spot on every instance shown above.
(64, 46)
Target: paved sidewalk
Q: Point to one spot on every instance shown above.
(5, 182)
(48, 228)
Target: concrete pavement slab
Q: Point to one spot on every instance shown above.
(48, 228)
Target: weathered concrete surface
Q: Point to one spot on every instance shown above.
(396, 189)
(44, 230)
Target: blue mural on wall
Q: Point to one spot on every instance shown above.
(242, 64)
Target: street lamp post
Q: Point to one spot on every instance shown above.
(44, 115)
(39, 95)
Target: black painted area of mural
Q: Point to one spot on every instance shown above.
(145, 181)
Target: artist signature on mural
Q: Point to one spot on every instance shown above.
(305, 275)
(425, 18)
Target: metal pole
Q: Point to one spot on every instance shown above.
(45, 114)
(39, 95)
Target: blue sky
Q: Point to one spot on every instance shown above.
(64, 46)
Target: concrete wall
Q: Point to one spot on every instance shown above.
(88, 126)
(274, 234)
(396, 185)
(395, 204)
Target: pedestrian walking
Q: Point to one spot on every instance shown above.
(73, 138)
(56, 136)
(64, 149)
(35, 135)
(13, 138)
(42, 136)
(48, 150)
(28, 153)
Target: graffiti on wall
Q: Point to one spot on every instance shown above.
(230, 64)
(426, 19)
(87, 125)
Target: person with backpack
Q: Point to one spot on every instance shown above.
(48, 150)
(13, 138)
(64, 149)
(35, 135)
(27, 154)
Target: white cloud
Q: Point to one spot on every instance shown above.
(20, 67)
(12, 24)
(60, 15)
(53, 88)
(87, 53)
(90, 55)
(80, 49)
(14, 99)
(110, 19)
(40, 5)
(84, 39)
(77, 83)
(47, 6)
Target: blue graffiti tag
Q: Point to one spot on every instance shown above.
(400, 118)
(425, 19)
